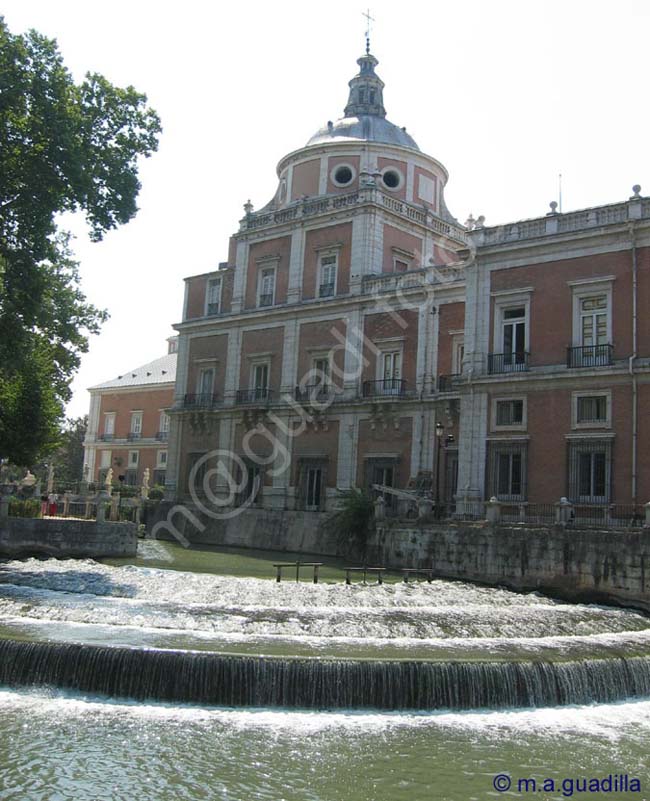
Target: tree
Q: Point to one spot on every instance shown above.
(63, 147)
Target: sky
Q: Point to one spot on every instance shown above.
(507, 95)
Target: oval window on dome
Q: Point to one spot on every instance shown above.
(392, 179)
(343, 175)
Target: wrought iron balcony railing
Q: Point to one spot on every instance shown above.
(326, 291)
(133, 435)
(212, 309)
(513, 362)
(317, 393)
(446, 382)
(162, 436)
(106, 437)
(590, 356)
(385, 387)
(255, 395)
(266, 300)
(200, 400)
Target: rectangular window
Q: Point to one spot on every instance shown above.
(131, 478)
(105, 459)
(507, 468)
(109, 424)
(136, 423)
(593, 317)
(314, 483)
(161, 459)
(266, 288)
(590, 470)
(260, 380)
(509, 412)
(327, 281)
(514, 337)
(134, 458)
(391, 372)
(164, 423)
(321, 371)
(206, 382)
(591, 409)
(213, 296)
(401, 266)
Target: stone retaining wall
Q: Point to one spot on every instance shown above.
(61, 537)
(601, 566)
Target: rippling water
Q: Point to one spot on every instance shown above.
(59, 747)
(56, 748)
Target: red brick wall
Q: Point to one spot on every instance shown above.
(305, 179)
(400, 194)
(395, 238)
(280, 248)
(319, 239)
(451, 317)
(197, 287)
(382, 440)
(332, 162)
(269, 342)
(382, 326)
(209, 347)
(551, 311)
(318, 338)
(317, 443)
(149, 401)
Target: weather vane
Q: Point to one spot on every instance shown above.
(369, 20)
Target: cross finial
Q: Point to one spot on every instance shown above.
(369, 21)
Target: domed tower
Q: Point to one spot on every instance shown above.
(327, 299)
(364, 163)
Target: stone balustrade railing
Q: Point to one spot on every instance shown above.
(555, 223)
(311, 207)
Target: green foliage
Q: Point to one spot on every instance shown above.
(354, 522)
(63, 147)
(29, 507)
(156, 493)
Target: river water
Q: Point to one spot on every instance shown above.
(57, 745)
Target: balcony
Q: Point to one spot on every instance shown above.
(212, 309)
(258, 395)
(106, 437)
(326, 291)
(589, 356)
(514, 362)
(446, 382)
(314, 393)
(132, 436)
(162, 436)
(265, 300)
(386, 387)
(201, 400)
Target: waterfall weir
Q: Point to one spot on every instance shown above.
(148, 674)
(167, 635)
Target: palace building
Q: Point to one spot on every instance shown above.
(358, 334)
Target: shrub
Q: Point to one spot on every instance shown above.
(30, 507)
(354, 522)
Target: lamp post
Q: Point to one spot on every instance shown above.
(440, 430)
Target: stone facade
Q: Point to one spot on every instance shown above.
(356, 319)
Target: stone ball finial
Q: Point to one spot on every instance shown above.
(637, 190)
(553, 205)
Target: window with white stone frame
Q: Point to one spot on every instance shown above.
(590, 470)
(509, 413)
(511, 332)
(592, 322)
(213, 296)
(327, 274)
(507, 470)
(266, 286)
(592, 409)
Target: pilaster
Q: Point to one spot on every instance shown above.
(296, 261)
(241, 268)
